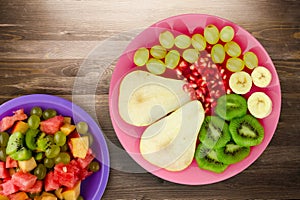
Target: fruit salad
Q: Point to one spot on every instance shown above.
(212, 68)
(43, 156)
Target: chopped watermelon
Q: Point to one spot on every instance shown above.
(51, 182)
(8, 188)
(84, 162)
(3, 171)
(37, 187)
(8, 122)
(66, 174)
(10, 163)
(52, 125)
(24, 180)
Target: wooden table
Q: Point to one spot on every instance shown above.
(43, 44)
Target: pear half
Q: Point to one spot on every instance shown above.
(144, 98)
(170, 142)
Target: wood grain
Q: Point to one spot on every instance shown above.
(44, 45)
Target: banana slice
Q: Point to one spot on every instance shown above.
(261, 77)
(240, 82)
(259, 105)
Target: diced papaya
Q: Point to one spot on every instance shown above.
(48, 196)
(20, 127)
(18, 196)
(67, 120)
(2, 197)
(27, 165)
(67, 128)
(80, 146)
(58, 193)
(72, 194)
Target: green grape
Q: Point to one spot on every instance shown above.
(91, 138)
(218, 53)
(60, 138)
(233, 49)
(4, 137)
(235, 64)
(62, 157)
(198, 42)
(166, 39)
(94, 166)
(39, 156)
(141, 56)
(227, 33)
(250, 59)
(156, 66)
(40, 171)
(34, 121)
(82, 127)
(2, 154)
(172, 59)
(158, 52)
(190, 55)
(64, 148)
(183, 41)
(211, 34)
(49, 162)
(80, 198)
(49, 113)
(36, 111)
(52, 151)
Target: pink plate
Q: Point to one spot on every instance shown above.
(129, 135)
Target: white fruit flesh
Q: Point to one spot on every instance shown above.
(261, 77)
(259, 105)
(170, 142)
(144, 98)
(240, 82)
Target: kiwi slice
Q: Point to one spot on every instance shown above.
(214, 132)
(207, 159)
(15, 142)
(232, 153)
(246, 131)
(22, 154)
(30, 138)
(230, 106)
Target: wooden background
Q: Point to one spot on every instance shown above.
(44, 43)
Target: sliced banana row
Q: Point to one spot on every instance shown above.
(241, 82)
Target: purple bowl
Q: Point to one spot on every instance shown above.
(94, 186)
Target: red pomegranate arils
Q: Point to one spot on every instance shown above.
(206, 81)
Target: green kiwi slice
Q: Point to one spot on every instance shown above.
(214, 132)
(231, 106)
(22, 154)
(30, 138)
(15, 142)
(207, 159)
(246, 131)
(232, 153)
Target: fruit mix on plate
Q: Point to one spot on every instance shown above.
(43, 156)
(215, 72)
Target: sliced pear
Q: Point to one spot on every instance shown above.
(170, 142)
(144, 98)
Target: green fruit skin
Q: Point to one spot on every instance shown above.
(231, 106)
(230, 157)
(30, 138)
(234, 128)
(22, 154)
(216, 122)
(208, 164)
